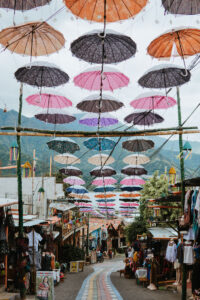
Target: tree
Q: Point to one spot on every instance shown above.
(139, 226)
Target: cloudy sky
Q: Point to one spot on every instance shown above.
(146, 26)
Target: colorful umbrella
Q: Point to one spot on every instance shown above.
(83, 204)
(93, 104)
(130, 195)
(130, 204)
(143, 118)
(23, 4)
(99, 144)
(101, 159)
(67, 158)
(79, 197)
(105, 171)
(135, 159)
(182, 7)
(105, 200)
(103, 189)
(63, 145)
(138, 145)
(55, 118)
(106, 204)
(117, 47)
(86, 209)
(153, 101)
(105, 196)
(71, 171)
(76, 189)
(91, 79)
(132, 180)
(134, 170)
(115, 10)
(99, 181)
(94, 120)
(130, 188)
(129, 200)
(74, 180)
(48, 101)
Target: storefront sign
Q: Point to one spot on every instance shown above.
(74, 266)
(44, 285)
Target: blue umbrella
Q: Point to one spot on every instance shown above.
(76, 189)
(130, 188)
(99, 144)
(107, 200)
(101, 189)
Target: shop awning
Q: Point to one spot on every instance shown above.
(7, 202)
(190, 182)
(33, 223)
(62, 206)
(160, 233)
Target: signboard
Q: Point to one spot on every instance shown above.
(74, 266)
(44, 285)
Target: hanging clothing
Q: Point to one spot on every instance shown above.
(196, 249)
(171, 252)
(180, 253)
(195, 276)
(187, 197)
(190, 236)
(37, 238)
(188, 254)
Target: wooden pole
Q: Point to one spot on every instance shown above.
(50, 168)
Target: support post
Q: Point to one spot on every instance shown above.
(88, 228)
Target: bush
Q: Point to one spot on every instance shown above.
(71, 253)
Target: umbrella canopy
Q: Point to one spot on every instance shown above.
(117, 47)
(22, 4)
(99, 144)
(99, 181)
(80, 197)
(93, 104)
(153, 101)
(130, 204)
(105, 171)
(105, 196)
(94, 120)
(76, 189)
(132, 180)
(135, 159)
(134, 170)
(41, 74)
(63, 145)
(106, 204)
(128, 200)
(103, 189)
(55, 118)
(86, 209)
(164, 76)
(130, 195)
(105, 200)
(138, 145)
(74, 180)
(130, 188)
(91, 80)
(101, 159)
(182, 7)
(144, 118)
(48, 101)
(33, 39)
(83, 204)
(67, 158)
(115, 10)
(71, 171)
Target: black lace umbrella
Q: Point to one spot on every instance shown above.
(134, 170)
(23, 4)
(101, 172)
(117, 47)
(71, 171)
(63, 145)
(138, 145)
(94, 105)
(56, 118)
(144, 118)
(182, 7)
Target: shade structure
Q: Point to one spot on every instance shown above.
(94, 104)
(105, 171)
(134, 159)
(22, 4)
(103, 120)
(67, 158)
(130, 204)
(105, 200)
(146, 118)
(130, 188)
(101, 159)
(134, 170)
(104, 196)
(41, 74)
(151, 101)
(99, 144)
(63, 145)
(138, 145)
(76, 189)
(164, 76)
(132, 180)
(182, 7)
(117, 47)
(79, 197)
(83, 204)
(106, 204)
(91, 79)
(32, 39)
(74, 180)
(130, 195)
(115, 10)
(104, 189)
(55, 118)
(48, 100)
(71, 171)
(99, 181)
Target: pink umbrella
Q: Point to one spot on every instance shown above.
(102, 181)
(74, 180)
(48, 101)
(153, 101)
(129, 204)
(107, 204)
(86, 210)
(83, 204)
(91, 79)
(132, 180)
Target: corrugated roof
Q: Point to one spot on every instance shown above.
(163, 233)
(7, 202)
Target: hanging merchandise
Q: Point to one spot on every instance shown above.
(27, 168)
(188, 253)
(187, 151)
(171, 252)
(13, 152)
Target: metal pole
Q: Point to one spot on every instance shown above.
(88, 228)
(184, 279)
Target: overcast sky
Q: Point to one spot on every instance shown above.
(146, 26)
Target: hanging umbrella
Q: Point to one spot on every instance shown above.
(130, 188)
(136, 159)
(23, 4)
(99, 181)
(76, 189)
(138, 145)
(94, 120)
(105, 196)
(99, 144)
(117, 47)
(101, 159)
(106, 204)
(93, 104)
(63, 145)
(134, 170)
(128, 200)
(55, 118)
(130, 195)
(41, 74)
(86, 209)
(164, 76)
(83, 204)
(143, 118)
(67, 158)
(71, 171)
(105, 200)
(79, 197)
(33, 39)
(152, 100)
(82, 200)
(132, 180)
(91, 79)
(49, 101)
(74, 180)
(105, 171)
(130, 204)
(182, 7)
(103, 189)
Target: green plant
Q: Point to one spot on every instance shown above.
(71, 253)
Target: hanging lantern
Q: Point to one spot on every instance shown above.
(156, 212)
(40, 193)
(172, 175)
(13, 152)
(27, 169)
(187, 151)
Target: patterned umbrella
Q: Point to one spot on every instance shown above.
(130, 195)
(164, 76)
(76, 189)
(117, 47)
(153, 101)
(132, 180)
(105, 171)
(102, 189)
(105, 200)
(130, 188)
(91, 79)
(86, 209)
(82, 200)
(74, 180)
(101, 159)
(71, 171)
(63, 145)
(83, 204)
(99, 144)
(22, 4)
(134, 159)
(106, 204)
(99, 181)
(105, 196)
(93, 104)
(55, 118)
(80, 197)
(94, 120)
(48, 101)
(182, 7)
(143, 118)
(138, 145)
(134, 170)
(130, 200)
(67, 158)
(130, 204)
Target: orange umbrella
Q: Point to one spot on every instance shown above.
(117, 10)
(102, 196)
(33, 39)
(130, 195)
